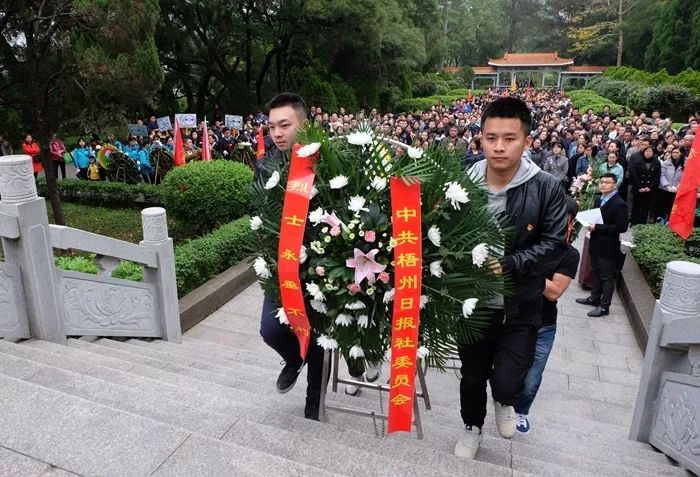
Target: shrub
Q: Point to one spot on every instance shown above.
(200, 259)
(585, 99)
(423, 87)
(128, 271)
(206, 194)
(465, 76)
(672, 100)
(655, 246)
(105, 193)
(78, 263)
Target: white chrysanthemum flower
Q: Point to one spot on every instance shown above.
(317, 247)
(357, 203)
(436, 269)
(314, 192)
(422, 352)
(302, 254)
(424, 299)
(327, 343)
(468, 306)
(282, 316)
(338, 182)
(415, 152)
(343, 319)
(456, 194)
(273, 180)
(315, 291)
(255, 223)
(389, 295)
(260, 267)
(378, 183)
(317, 216)
(363, 321)
(309, 149)
(318, 306)
(479, 254)
(359, 138)
(434, 235)
(356, 352)
(357, 305)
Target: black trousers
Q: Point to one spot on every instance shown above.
(641, 204)
(604, 275)
(59, 165)
(281, 338)
(503, 359)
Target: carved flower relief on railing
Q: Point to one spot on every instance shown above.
(155, 228)
(676, 423)
(108, 306)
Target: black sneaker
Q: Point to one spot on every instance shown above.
(586, 301)
(598, 311)
(311, 410)
(288, 377)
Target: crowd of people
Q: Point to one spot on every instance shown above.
(645, 153)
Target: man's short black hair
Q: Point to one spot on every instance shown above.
(508, 107)
(288, 99)
(610, 175)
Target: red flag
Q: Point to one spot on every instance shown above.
(206, 149)
(261, 143)
(179, 150)
(683, 212)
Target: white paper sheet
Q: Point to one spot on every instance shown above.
(589, 217)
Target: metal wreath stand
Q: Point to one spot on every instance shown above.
(334, 356)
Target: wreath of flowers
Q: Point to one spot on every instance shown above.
(346, 260)
(584, 189)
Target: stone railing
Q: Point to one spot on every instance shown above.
(38, 300)
(667, 410)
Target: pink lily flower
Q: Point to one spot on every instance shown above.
(365, 266)
(332, 220)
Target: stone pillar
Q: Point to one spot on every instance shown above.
(680, 300)
(155, 237)
(32, 251)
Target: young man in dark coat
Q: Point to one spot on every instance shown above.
(604, 246)
(533, 204)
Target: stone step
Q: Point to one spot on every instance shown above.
(208, 398)
(243, 371)
(14, 464)
(443, 428)
(337, 456)
(137, 401)
(91, 439)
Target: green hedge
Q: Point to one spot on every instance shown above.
(86, 264)
(204, 195)
(422, 104)
(585, 99)
(688, 78)
(651, 94)
(200, 259)
(105, 193)
(655, 246)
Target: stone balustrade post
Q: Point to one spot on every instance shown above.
(32, 251)
(155, 237)
(680, 300)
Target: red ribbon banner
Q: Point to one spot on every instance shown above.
(294, 214)
(406, 230)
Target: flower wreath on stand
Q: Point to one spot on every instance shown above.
(346, 262)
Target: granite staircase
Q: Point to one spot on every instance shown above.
(207, 407)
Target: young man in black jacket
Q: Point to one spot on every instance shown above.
(604, 246)
(533, 204)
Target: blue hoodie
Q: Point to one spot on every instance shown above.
(81, 157)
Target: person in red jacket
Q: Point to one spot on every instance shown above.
(31, 148)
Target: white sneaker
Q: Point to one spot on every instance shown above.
(354, 389)
(505, 419)
(468, 444)
(373, 372)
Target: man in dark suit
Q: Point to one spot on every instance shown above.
(604, 247)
